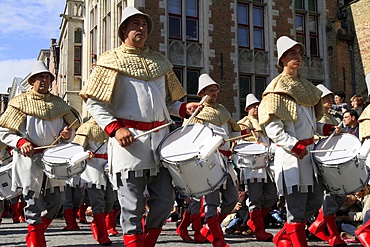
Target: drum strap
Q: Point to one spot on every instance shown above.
(225, 152)
(309, 119)
(101, 156)
(161, 99)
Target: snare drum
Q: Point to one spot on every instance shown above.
(251, 155)
(56, 161)
(179, 153)
(342, 171)
(6, 182)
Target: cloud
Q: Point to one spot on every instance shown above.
(13, 68)
(30, 17)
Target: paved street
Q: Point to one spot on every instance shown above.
(13, 235)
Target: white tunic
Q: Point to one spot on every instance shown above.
(28, 172)
(286, 134)
(135, 99)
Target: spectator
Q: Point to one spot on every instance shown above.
(350, 118)
(358, 103)
(339, 106)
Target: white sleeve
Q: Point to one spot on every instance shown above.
(100, 112)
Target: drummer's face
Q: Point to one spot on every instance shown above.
(41, 82)
(253, 110)
(212, 92)
(327, 101)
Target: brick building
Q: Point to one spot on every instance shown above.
(233, 41)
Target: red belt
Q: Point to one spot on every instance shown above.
(225, 152)
(101, 156)
(140, 125)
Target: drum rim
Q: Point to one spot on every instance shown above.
(179, 129)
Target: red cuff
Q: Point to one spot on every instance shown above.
(182, 111)
(327, 128)
(244, 132)
(298, 148)
(21, 142)
(111, 128)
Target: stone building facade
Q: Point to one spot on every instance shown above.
(233, 41)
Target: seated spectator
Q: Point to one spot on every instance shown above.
(339, 106)
(350, 123)
(358, 103)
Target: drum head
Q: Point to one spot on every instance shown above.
(182, 146)
(62, 153)
(250, 148)
(6, 167)
(349, 143)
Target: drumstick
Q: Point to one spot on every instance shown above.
(155, 129)
(44, 147)
(327, 150)
(194, 113)
(332, 134)
(60, 136)
(238, 137)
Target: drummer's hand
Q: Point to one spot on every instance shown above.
(66, 133)
(337, 130)
(192, 106)
(27, 149)
(302, 154)
(124, 137)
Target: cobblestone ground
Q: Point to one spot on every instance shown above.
(13, 235)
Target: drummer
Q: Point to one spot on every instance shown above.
(132, 90)
(36, 118)
(262, 193)
(99, 189)
(325, 221)
(363, 232)
(215, 116)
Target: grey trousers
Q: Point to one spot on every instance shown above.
(131, 198)
(261, 195)
(332, 203)
(102, 200)
(73, 197)
(48, 204)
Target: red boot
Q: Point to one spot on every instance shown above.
(15, 213)
(110, 222)
(35, 236)
(282, 239)
(297, 234)
(70, 220)
(82, 214)
(182, 229)
(334, 238)
(255, 223)
(363, 234)
(197, 225)
(151, 237)
(20, 211)
(318, 227)
(5, 213)
(215, 229)
(46, 223)
(134, 240)
(99, 230)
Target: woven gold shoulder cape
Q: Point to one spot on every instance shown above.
(90, 130)
(43, 106)
(217, 115)
(364, 121)
(251, 123)
(282, 96)
(143, 64)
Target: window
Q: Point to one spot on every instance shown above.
(107, 25)
(183, 13)
(78, 35)
(190, 76)
(77, 60)
(251, 25)
(245, 87)
(306, 25)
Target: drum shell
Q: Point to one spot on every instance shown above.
(192, 176)
(248, 156)
(6, 183)
(343, 172)
(60, 168)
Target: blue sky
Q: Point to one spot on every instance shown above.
(26, 27)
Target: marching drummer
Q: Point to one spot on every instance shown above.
(216, 117)
(289, 108)
(36, 118)
(363, 232)
(133, 90)
(262, 193)
(99, 189)
(325, 221)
